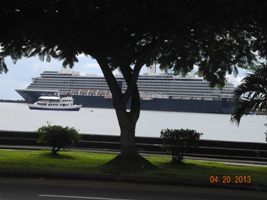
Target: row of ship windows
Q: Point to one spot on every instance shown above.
(183, 85)
(124, 87)
(118, 79)
(164, 89)
(186, 89)
(66, 86)
(101, 79)
(195, 87)
(140, 88)
(51, 104)
(104, 82)
(96, 81)
(52, 87)
(64, 83)
(105, 85)
(168, 91)
(198, 87)
(196, 94)
(188, 93)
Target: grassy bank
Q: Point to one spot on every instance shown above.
(91, 163)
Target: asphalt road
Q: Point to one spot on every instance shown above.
(33, 189)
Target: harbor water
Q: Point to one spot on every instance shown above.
(18, 117)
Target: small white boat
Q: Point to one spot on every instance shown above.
(55, 103)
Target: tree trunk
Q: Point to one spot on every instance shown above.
(127, 122)
(127, 119)
(55, 150)
(128, 159)
(127, 128)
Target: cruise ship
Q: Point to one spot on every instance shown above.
(158, 91)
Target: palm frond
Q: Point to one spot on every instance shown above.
(251, 95)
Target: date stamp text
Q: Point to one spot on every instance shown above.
(231, 179)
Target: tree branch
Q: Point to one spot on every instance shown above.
(151, 50)
(110, 79)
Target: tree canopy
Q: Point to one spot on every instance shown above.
(215, 35)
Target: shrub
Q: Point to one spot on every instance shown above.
(179, 141)
(58, 137)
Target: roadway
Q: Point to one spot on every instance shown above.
(41, 189)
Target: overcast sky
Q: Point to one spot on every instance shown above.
(20, 74)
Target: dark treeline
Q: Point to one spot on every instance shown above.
(12, 101)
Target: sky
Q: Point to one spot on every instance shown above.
(20, 74)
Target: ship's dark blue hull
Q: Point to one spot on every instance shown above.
(157, 104)
(177, 105)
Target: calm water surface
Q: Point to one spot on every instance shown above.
(19, 117)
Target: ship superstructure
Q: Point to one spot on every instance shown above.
(161, 91)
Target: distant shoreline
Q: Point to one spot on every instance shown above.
(12, 101)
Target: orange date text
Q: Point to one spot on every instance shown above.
(231, 179)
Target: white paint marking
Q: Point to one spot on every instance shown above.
(78, 197)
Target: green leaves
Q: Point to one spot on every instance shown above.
(3, 67)
(57, 136)
(251, 95)
(179, 141)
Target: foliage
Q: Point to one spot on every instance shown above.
(58, 137)
(179, 141)
(250, 96)
(216, 36)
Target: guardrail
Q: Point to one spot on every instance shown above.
(151, 145)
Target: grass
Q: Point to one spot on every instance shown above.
(91, 163)
(69, 162)
(202, 171)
